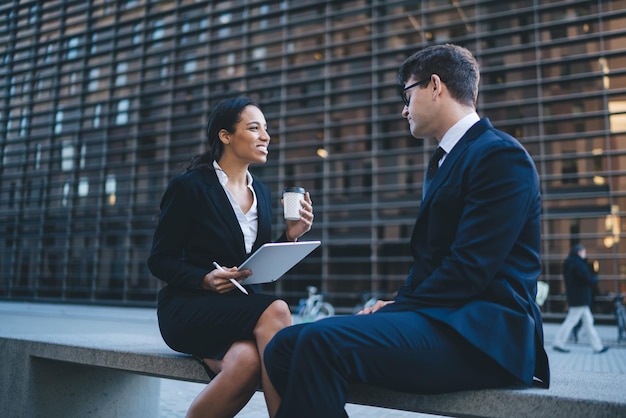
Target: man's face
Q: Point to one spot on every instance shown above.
(417, 107)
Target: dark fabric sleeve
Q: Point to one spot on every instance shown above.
(167, 256)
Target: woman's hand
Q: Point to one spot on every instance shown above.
(379, 304)
(218, 281)
(295, 229)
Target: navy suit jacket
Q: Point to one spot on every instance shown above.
(197, 225)
(476, 251)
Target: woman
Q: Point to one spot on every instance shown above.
(215, 212)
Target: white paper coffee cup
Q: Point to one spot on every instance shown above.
(291, 205)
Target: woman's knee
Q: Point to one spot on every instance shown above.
(277, 311)
(276, 317)
(242, 359)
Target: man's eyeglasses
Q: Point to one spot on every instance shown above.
(403, 95)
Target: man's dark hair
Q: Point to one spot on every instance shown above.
(455, 66)
(576, 248)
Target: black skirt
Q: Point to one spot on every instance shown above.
(206, 324)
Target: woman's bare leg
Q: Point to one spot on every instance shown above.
(276, 317)
(238, 377)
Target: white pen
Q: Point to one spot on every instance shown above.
(233, 281)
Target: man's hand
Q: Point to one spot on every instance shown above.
(379, 304)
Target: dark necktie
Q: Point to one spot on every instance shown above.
(433, 164)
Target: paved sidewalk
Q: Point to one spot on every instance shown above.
(28, 318)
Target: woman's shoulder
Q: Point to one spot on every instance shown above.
(193, 175)
(191, 180)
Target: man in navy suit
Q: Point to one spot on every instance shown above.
(466, 317)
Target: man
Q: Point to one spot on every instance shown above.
(466, 317)
(579, 284)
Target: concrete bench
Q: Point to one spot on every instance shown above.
(108, 375)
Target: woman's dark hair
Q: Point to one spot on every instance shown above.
(223, 116)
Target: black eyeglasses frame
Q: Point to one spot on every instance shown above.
(403, 95)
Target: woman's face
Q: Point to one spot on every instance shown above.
(250, 139)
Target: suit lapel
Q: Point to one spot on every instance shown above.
(264, 213)
(451, 159)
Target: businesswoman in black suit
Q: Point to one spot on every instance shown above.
(217, 212)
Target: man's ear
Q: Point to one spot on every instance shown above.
(224, 136)
(437, 85)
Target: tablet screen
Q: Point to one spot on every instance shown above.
(274, 259)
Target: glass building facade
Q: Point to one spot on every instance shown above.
(103, 100)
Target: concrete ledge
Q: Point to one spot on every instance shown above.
(138, 354)
(571, 394)
(112, 375)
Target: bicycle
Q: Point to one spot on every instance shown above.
(313, 307)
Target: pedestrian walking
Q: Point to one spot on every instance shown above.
(579, 285)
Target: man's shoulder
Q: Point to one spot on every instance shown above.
(502, 138)
(491, 139)
(494, 140)
(484, 134)
(500, 151)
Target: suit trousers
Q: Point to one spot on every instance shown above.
(312, 365)
(575, 314)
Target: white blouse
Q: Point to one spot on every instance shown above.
(248, 222)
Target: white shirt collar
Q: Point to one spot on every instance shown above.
(457, 131)
(223, 177)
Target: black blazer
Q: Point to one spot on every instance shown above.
(476, 251)
(198, 226)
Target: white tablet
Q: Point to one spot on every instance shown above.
(272, 260)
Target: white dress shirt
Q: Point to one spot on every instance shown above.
(455, 133)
